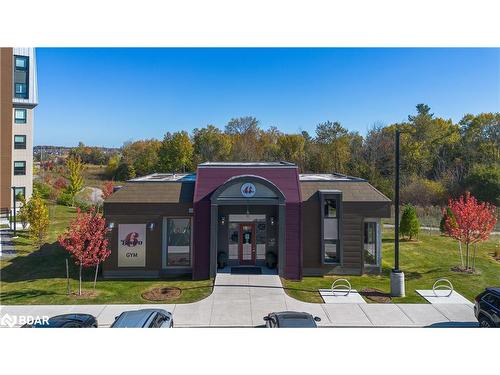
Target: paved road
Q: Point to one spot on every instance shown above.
(243, 300)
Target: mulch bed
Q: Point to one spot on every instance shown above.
(162, 294)
(376, 295)
(85, 294)
(462, 270)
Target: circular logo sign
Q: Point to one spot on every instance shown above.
(248, 190)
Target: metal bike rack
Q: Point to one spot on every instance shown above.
(442, 284)
(341, 283)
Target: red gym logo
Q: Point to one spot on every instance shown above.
(132, 240)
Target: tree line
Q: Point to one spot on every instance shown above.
(439, 158)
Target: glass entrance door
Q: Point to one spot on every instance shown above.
(247, 243)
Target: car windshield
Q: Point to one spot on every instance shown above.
(297, 322)
(133, 319)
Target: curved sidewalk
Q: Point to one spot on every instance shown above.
(243, 300)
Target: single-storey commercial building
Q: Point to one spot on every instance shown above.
(244, 214)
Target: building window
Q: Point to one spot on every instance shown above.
(19, 191)
(20, 142)
(19, 168)
(20, 116)
(21, 63)
(330, 208)
(177, 251)
(330, 229)
(370, 243)
(21, 90)
(21, 77)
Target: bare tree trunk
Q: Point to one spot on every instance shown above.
(474, 259)
(67, 277)
(95, 277)
(467, 257)
(80, 284)
(461, 254)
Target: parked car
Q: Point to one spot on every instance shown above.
(291, 319)
(145, 318)
(487, 307)
(66, 321)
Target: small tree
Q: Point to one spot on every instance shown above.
(409, 225)
(36, 214)
(75, 176)
(442, 224)
(86, 240)
(447, 213)
(472, 222)
(107, 189)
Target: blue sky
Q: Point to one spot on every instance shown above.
(108, 96)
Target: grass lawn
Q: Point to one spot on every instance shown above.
(37, 276)
(423, 262)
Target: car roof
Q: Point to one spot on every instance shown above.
(60, 320)
(289, 319)
(494, 289)
(137, 318)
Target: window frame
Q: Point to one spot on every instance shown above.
(17, 145)
(336, 195)
(19, 120)
(26, 63)
(164, 247)
(23, 188)
(21, 94)
(20, 161)
(378, 242)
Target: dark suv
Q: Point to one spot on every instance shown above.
(487, 307)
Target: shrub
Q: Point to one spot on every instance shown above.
(221, 259)
(271, 259)
(423, 192)
(60, 184)
(124, 172)
(42, 189)
(442, 224)
(65, 199)
(409, 225)
(35, 212)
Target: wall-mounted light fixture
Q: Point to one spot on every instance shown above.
(222, 220)
(111, 226)
(151, 226)
(272, 220)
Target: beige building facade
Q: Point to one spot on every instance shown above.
(18, 99)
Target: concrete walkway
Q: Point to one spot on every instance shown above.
(6, 245)
(243, 300)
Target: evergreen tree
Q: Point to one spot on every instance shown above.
(409, 225)
(447, 213)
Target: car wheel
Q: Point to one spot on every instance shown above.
(484, 322)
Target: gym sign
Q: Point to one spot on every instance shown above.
(131, 245)
(248, 190)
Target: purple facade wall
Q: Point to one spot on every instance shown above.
(209, 179)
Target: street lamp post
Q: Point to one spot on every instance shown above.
(14, 203)
(397, 276)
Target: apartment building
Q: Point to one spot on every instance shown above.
(18, 98)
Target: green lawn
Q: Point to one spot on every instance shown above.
(37, 276)
(423, 262)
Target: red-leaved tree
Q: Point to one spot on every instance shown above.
(107, 189)
(86, 240)
(472, 222)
